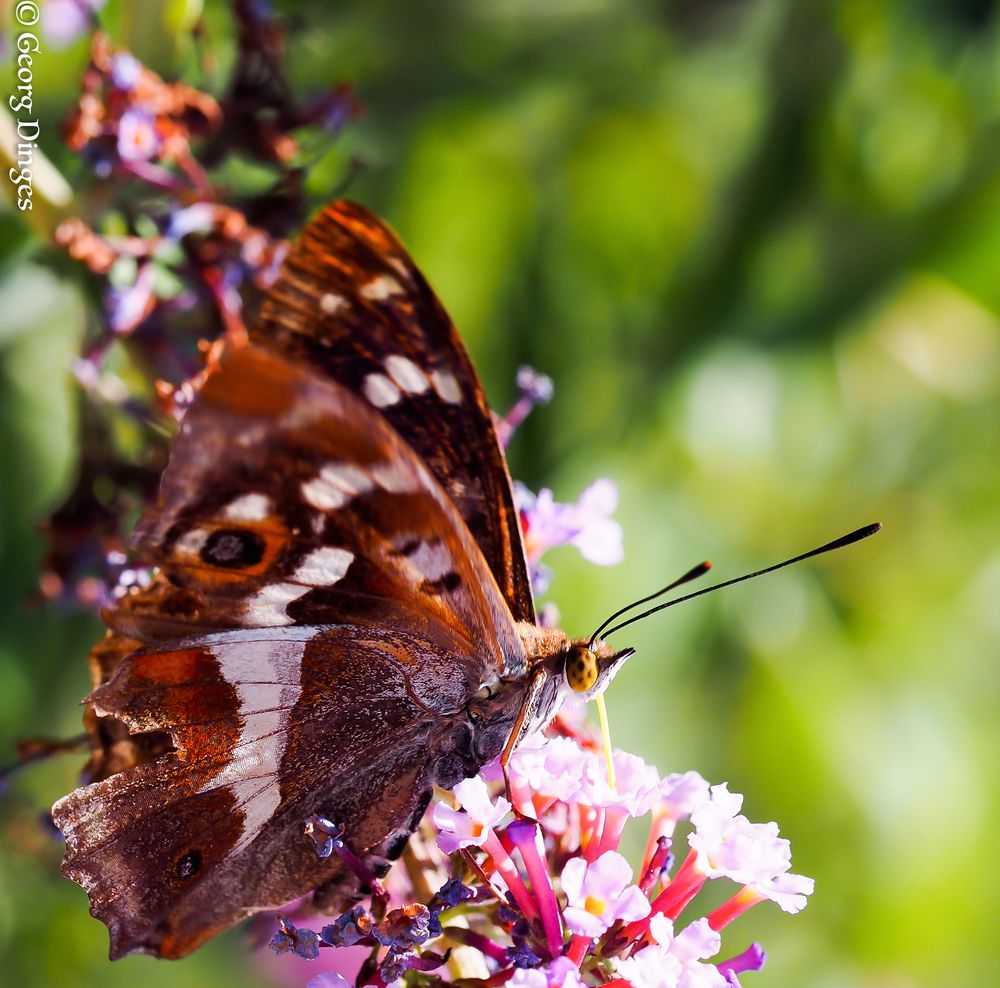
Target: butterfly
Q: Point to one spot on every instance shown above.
(341, 616)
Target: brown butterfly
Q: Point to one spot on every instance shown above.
(341, 617)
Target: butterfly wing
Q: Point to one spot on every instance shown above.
(289, 501)
(363, 619)
(350, 300)
(268, 727)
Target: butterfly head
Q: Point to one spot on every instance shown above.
(590, 666)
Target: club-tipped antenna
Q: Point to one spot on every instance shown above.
(844, 540)
(691, 574)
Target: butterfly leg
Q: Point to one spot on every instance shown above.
(523, 725)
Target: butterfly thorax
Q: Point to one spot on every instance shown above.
(557, 667)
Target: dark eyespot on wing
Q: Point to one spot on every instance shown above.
(188, 865)
(233, 548)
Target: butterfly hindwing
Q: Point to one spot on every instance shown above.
(350, 301)
(269, 726)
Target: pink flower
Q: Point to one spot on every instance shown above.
(329, 979)
(554, 767)
(528, 977)
(563, 973)
(637, 784)
(682, 793)
(473, 824)
(675, 961)
(599, 893)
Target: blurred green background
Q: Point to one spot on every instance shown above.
(757, 246)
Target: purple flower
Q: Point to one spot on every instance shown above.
(528, 977)
(329, 979)
(127, 307)
(533, 389)
(126, 70)
(349, 928)
(563, 973)
(473, 824)
(138, 139)
(751, 959)
(63, 21)
(599, 893)
(587, 524)
(197, 218)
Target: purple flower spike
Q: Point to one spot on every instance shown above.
(349, 928)
(533, 389)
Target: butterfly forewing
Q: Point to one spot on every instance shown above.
(289, 501)
(351, 302)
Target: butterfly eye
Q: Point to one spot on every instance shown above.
(581, 668)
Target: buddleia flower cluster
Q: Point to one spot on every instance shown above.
(539, 894)
(181, 216)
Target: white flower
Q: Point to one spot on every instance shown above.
(729, 845)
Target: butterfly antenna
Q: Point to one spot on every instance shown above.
(691, 574)
(844, 540)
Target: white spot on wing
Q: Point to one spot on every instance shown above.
(400, 265)
(447, 386)
(393, 479)
(331, 302)
(381, 287)
(335, 485)
(249, 507)
(407, 374)
(324, 567)
(432, 560)
(268, 607)
(191, 543)
(380, 391)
